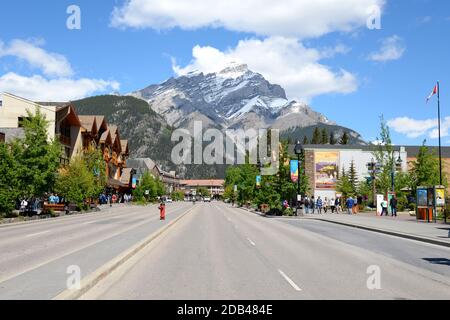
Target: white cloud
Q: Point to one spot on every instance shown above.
(56, 81)
(290, 18)
(38, 88)
(284, 61)
(51, 64)
(415, 128)
(392, 48)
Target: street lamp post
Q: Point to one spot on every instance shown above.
(299, 151)
(395, 166)
(372, 169)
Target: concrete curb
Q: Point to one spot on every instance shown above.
(95, 277)
(74, 215)
(389, 232)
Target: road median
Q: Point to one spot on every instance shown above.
(95, 277)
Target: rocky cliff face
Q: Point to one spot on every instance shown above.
(235, 97)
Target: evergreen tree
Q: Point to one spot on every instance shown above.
(353, 177)
(305, 140)
(344, 139)
(317, 137)
(332, 139)
(324, 136)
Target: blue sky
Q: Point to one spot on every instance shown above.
(325, 56)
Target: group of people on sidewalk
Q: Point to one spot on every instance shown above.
(333, 205)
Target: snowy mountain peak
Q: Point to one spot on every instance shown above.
(234, 70)
(234, 97)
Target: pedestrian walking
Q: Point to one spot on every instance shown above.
(306, 205)
(332, 205)
(319, 205)
(23, 205)
(337, 204)
(312, 206)
(393, 204)
(384, 207)
(349, 204)
(325, 205)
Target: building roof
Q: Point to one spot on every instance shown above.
(124, 145)
(203, 183)
(126, 176)
(413, 151)
(88, 122)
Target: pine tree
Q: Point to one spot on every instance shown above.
(324, 136)
(332, 139)
(305, 140)
(353, 177)
(317, 137)
(344, 139)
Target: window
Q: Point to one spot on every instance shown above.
(20, 121)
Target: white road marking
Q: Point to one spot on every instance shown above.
(251, 242)
(36, 234)
(289, 280)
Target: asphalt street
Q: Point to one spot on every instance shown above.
(220, 252)
(35, 257)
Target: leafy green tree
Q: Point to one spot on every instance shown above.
(95, 164)
(39, 160)
(204, 192)
(425, 169)
(177, 195)
(76, 183)
(344, 185)
(148, 183)
(9, 179)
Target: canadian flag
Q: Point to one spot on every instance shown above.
(435, 91)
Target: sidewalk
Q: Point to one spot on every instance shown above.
(403, 226)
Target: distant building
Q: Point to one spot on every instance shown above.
(142, 165)
(216, 187)
(324, 163)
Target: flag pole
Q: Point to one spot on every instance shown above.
(439, 127)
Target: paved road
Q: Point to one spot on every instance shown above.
(34, 257)
(218, 252)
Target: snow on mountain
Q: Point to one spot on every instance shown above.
(234, 97)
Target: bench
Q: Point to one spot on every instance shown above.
(54, 207)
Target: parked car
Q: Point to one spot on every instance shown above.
(206, 199)
(169, 200)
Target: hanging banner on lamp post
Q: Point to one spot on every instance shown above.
(258, 182)
(294, 170)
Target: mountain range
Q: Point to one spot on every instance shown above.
(234, 98)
